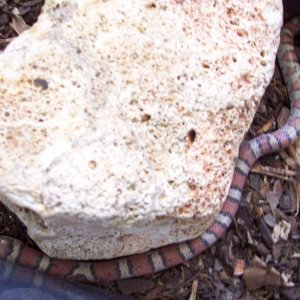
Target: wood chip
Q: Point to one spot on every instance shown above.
(274, 196)
(296, 255)
(270, 219)
(277, 251)
(268, 126)
(281, 231)
(194, 290)
(286, 278)
(18, 23)
(239, 267)
(131, 286)
(265, 233)
(296, 198)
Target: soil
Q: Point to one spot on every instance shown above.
(247, 263)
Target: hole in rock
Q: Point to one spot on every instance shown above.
(41, 83)
(145, 117)
(191, 136)
(151, 5)
(92, 164)
(263, 63)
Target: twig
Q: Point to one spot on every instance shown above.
(284, 174)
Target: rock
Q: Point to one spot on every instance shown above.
(121, 120)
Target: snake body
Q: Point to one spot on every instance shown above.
(14, 251)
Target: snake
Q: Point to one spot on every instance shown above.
(155, 260)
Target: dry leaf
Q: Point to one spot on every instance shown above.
(262, 249)
(277, 251)
(18, 23)
(253, 277)
(273, 278)
(265, 188)
(218, 265)
(274, 196)
(270, 220)
(258, 275)
(283, 116)
(265, 233)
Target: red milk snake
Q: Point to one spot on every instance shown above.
(156, 260)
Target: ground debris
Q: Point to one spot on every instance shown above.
(259, 256)
(258, 275)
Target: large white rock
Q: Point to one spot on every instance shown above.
(121, 120)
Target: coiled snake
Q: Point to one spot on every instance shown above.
(14, 251)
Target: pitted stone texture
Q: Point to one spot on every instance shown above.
(121, 120)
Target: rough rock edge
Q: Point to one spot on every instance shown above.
(144, 238)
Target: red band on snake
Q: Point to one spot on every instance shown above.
(160, 259)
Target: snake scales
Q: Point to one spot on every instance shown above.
(12, 250)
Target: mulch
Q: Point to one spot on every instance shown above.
(259, 257)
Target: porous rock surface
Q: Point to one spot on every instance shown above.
(121, 120)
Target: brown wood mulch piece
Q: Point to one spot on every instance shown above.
(259, 257)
